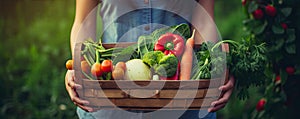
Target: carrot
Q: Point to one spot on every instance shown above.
(187, 59)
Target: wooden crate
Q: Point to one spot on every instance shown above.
(147, 95)
(138, 95)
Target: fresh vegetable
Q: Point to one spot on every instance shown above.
(136, 69)
(145, 44)
(118, 73)
(121, 65)
(163, 65)
(260, 106)
(207, 56)
(126, 54)
(96, 69)
(69, 64)
(258, 14)
(270, 10)
(187, 59)
(175, 77)
(246, 61)
(85, 67)
(152, 58)
(181, 29)
(106, 66)
(167, 66)
(170, 43)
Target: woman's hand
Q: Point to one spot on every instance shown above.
(226, 93)
(71, 87)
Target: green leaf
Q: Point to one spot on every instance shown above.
(297, 67)
(181, 29)
(277, 29)
(286, 11)
(283, 76)
(259, 28)
(279, 43)
(145, 44)
(291, 36)
(252, 7)
(290, 48)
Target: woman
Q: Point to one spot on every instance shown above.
(140, 17)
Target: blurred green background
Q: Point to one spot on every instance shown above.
(35, 45)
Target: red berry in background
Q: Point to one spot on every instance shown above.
(244, 2)
(270, 10)
(284, 26)
(258, 14)
(260, 105)
(290, 70)
(278, 78)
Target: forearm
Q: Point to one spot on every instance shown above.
(203, 21)
(84, 25)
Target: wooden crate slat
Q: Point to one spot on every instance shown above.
(168, 93)
(148, 108)
(126, 84)
(212, 92)
(109, 93)
(142, 93)
(151, 103)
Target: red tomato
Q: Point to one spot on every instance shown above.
(106, 66)
(96, 69)
(69, 64)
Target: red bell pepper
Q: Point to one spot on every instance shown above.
(170, 43)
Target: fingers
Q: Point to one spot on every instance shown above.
(73, 95)
(88, 109)
(81, 103)
(71, 81)
(229, 85)
(224, 98)
(227, 91)
(217, 107)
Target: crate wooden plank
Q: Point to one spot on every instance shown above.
(212, 92)
(149, 108)
(126, 84)
(109, 93)
(167, 93)
(150, 103)
(142, 93)
(186, 103)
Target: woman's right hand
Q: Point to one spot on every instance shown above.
(71, 87)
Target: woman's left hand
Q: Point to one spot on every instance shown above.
(226, 93)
